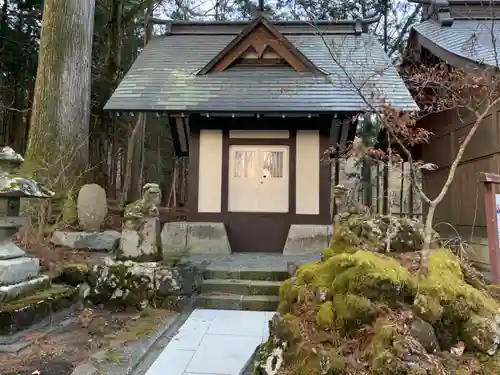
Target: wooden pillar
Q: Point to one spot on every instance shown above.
(490, 210)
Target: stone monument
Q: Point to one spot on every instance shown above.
(136, 275)
(19, 273)
(140, 239)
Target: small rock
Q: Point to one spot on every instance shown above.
(424, 333)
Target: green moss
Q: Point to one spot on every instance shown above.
(369, 274)
(112, 356)
(337, 363)
(325, 315)
(428, 308)
(444, 282)
(290, 330)
(451, 305)
(379, 351)
(306, 362)
(287, 295)
(147, 323)
(53, 292)
(490, 364)
(337, 247)
(384, 332)
(352, 311)
(307, 272)
(74, 274)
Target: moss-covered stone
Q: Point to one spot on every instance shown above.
(73, 274)
(23, 312)
(444, 282)
(481, 334)
(371, 233)
(128, 283)
(351, 312)
(402, 312)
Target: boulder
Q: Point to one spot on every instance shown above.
(92, 207)
(138, 284)
(358, 311)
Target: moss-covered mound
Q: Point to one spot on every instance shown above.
(361, 312)
(371, 232)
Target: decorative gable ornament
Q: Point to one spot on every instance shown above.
(261, 44)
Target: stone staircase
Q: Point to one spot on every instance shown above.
(243, 289)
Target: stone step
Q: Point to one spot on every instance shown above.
(247, 274)
(237, 302)
(14, 271)
(10, 292)
(241, 287)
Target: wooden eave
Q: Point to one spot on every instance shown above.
(259, 35)
(417, 40)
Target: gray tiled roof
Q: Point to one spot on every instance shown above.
(470, 39)
(163, 78)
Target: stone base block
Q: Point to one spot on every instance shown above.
(25, 312)
(142, 243)
(307, 239)
(9, 250)
(106, 240)
(195, 238)
(10, 292)
(137, 284)
(13, 271)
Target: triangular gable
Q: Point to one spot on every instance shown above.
(260, 42)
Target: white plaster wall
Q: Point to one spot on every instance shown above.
(210, 172)
(262, 134)
(307, 172)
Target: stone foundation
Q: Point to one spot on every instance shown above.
(137, 284)
(195, 238)
(13, 271)
(106, 240)
(307, 239)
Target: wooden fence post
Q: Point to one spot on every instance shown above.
(490, 209)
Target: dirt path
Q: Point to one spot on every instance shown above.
(91, 329)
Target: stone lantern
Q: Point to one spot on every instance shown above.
(17, 271)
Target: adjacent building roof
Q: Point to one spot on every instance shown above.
(175, 72)
(464, 29)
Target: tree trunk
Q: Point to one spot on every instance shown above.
(429, 219)
(136, 160)
(135, 150)
(58, 137)
(105, 125)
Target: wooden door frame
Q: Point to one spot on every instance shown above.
(258, 147)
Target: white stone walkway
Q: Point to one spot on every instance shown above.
(213, 342)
